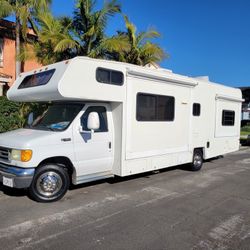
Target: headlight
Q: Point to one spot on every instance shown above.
(21, 155)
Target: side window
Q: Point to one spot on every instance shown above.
(228, 117)
(38, 79)
(155, 107)
(196, 109)
(109, 76)
(102, 116)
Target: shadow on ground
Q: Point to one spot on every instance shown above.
(113, 180)
(13, 191)
(244, 142)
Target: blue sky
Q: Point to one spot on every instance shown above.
(202, 37)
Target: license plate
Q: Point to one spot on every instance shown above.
(8, 182)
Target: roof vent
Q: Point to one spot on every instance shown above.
(153, 65)
(203, 78)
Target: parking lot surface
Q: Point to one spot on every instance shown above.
(170, 209)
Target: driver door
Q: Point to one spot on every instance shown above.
(93, 151)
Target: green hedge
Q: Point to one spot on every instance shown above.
(14, 114)
(246, 129)
(10, 115)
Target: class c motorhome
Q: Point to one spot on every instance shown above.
(108, 118)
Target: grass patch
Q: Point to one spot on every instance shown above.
(245, 129)
(244, 133)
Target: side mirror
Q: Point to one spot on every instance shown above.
(93, 121)
(30, 118)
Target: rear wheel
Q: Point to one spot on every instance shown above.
(49, 184)
(197, 160)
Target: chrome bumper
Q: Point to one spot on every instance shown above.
(22, 177)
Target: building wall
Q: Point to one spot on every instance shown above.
(9, 63)
(8, 58)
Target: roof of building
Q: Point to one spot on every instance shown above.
(245, 88)
(7, 29)
(245, 93)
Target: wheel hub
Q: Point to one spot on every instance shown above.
(197, 160)
(49, 183)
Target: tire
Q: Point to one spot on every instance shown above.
(197, 160)
(50, 183)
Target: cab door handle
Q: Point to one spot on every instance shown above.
(66, 139)
(110, 145)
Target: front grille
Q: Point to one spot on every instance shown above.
(4, 154)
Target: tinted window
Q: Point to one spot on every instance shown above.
(37, 79)
(154, 107)
(109, 76)
(228, 117)
(102, 116)
(196, 109)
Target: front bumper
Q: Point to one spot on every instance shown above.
(21, 177)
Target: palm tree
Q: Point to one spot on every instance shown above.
(24, 12)
(60, 39)
(55, 39)
(63, 38)
(90, 25)
(137, 48)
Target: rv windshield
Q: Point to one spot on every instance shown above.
(55, 116)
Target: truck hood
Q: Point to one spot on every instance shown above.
(25, 138)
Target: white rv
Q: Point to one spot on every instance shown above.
(107, 119)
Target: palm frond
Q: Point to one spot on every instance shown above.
(119, 44)
(142, 36)
(151, 52)
(24, 16)
(27, 52)
(110, 9)
(6, 8)
(131, 31)
(64, 44)
(41, 4)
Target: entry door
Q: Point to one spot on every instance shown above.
(227, 118)
(93, 151)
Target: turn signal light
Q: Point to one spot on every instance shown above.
(26, 155)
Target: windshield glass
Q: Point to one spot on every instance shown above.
(56, 117)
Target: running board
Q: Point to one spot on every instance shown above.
(93, 177)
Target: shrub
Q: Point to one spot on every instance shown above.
(13, 114)
(245, 129)
(10, 116)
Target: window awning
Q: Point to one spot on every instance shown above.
(4, 78)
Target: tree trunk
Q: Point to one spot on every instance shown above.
(18, 62)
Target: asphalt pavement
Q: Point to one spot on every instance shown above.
(170, 209)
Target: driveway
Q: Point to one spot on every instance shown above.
(171, 209)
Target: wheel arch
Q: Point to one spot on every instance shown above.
(202, 150)
(62, 161)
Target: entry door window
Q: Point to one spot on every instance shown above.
(102, 116)
(228, 117)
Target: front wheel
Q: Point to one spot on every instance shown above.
(50, 183)
(197, 160)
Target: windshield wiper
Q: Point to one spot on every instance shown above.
(53, 129)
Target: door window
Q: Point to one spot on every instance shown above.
(196, 109)
(102, 116)
(228, 117)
